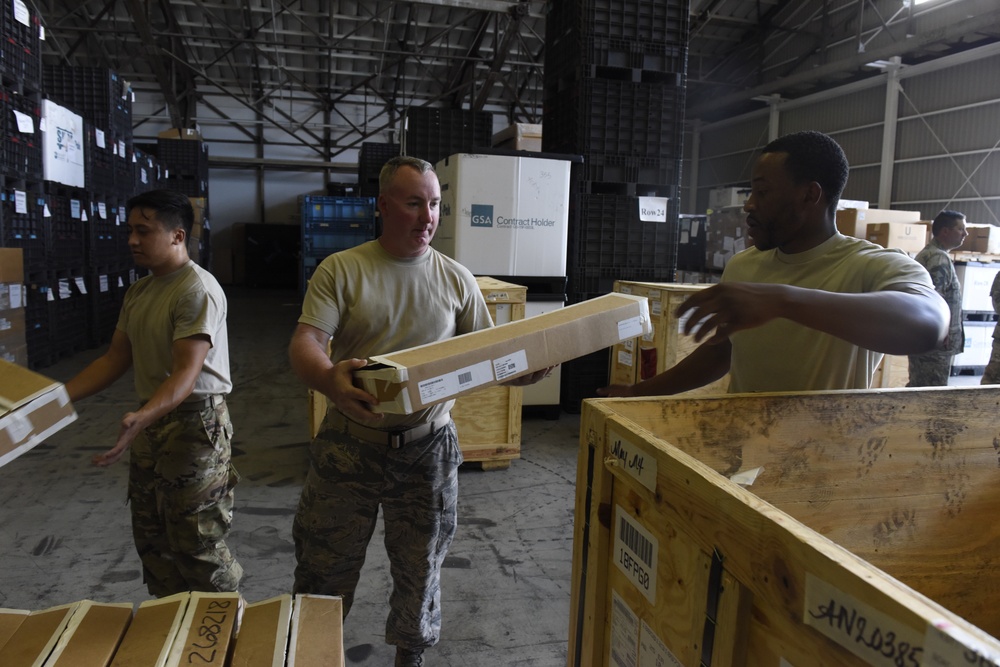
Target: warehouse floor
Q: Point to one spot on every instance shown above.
(64, 529)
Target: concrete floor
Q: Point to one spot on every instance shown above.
(64, 528)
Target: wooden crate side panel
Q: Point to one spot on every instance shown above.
(591, 531)
(624, 362)
(770, 554)
(681, 582)
(892, 372)
(489, 423)
(907, 480)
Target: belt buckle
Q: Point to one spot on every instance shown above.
(397, 439)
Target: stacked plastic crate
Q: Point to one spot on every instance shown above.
(371, 158)
(91, 266)
(615, 78)
(434, 134)
(330, 224)
(21, 203)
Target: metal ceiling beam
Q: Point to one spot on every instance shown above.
(160, 68)
(513, 24)
(953, 31)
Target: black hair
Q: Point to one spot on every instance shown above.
(172, 208)
(945, 219)
(814, 156)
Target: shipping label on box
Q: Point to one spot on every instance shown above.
(32, 407)
(419, 377)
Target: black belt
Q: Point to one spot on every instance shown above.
(396, 439)
(197, 405)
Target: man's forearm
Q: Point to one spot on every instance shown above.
(889, 321)
(706, 364)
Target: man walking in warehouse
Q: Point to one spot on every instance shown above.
(931, 369)
(805, 308)
(385, 295)
(172, 330)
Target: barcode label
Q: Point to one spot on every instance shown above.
(635, 541)
(636, 553)
(464, 378)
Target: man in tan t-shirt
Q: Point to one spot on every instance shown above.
(172, 332)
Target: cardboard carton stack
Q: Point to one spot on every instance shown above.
(217, 629)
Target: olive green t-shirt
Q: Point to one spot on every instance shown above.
(159, 310)
(784, 356)
(373, 303)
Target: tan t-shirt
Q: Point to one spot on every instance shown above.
(784, 356)
(373, 303)
(159, 310)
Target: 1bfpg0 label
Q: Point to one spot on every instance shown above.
(635, 553)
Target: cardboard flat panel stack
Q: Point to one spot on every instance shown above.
(263, 635)
(32, 407)
(92, 636)
(641, 358)
(36, 636)
(842, 528)
(151, 634)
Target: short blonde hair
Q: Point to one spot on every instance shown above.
(390, 168)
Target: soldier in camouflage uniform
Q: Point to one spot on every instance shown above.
(385, 295)
(933, 368)
(992, 373)
(172, 331)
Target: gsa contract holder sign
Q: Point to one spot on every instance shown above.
(504, 215)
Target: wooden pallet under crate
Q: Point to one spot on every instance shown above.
(868, 536)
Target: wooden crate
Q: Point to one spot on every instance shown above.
(892, 372)
(867, 538)
(488, 421)
(643, 357)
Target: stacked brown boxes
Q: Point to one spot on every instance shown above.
(817, 528)
(13, 346)
(641, 358)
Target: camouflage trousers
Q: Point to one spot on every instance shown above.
(181, 497)
(417, 487)
(992, 373)
(930, 370)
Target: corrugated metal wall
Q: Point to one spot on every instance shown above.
(947, 152)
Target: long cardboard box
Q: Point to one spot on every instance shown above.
(317, 634)
(32, 642)
(207, 631)
(409, 380)
(32, 407)
(92, 635)
(262, 640)
(148, 640)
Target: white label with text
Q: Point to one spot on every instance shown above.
(876, 638)
(636, 553)
(634, 460)
(449, 384)
(511, 365)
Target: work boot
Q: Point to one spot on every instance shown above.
(406, 657)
